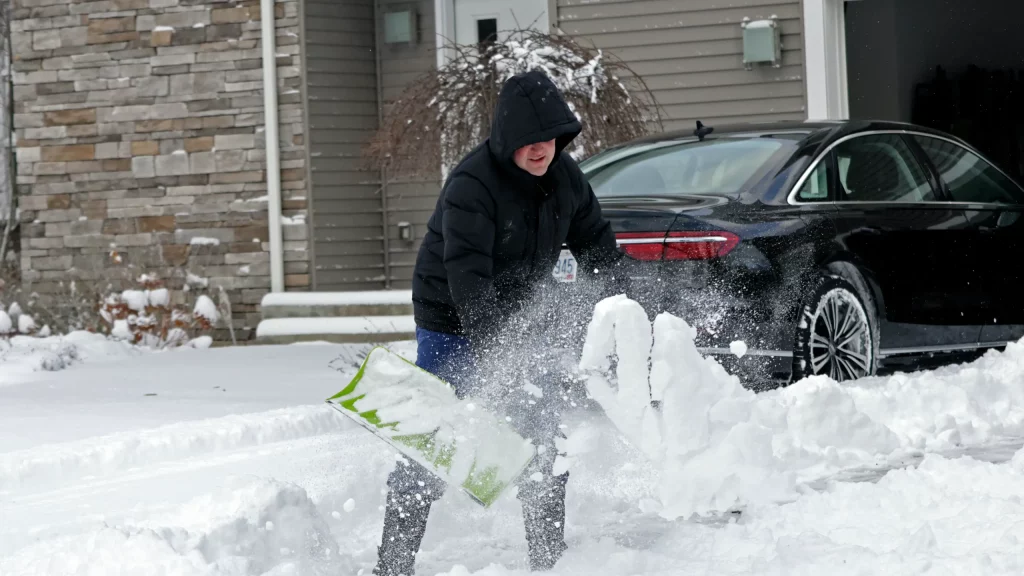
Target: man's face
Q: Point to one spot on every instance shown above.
(535, 158)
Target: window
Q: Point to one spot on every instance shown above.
(968, 177)
(722, 166)
(815, 188)
(486, 30)
(880, 168)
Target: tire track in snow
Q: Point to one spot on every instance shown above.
(52, 464)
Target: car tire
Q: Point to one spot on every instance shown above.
(837, 331)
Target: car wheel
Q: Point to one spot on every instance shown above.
(837, 333)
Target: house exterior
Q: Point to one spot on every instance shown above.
(142, 125)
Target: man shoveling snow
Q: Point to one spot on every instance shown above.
(501, 220)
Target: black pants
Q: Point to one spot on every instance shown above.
(413, 488)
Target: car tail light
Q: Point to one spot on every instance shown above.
(689, 245)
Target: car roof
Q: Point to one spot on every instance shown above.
(813, 136)
(830, 129)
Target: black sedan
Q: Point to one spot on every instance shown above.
(846, 249)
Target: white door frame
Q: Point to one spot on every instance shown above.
(825, 60)
(444, 24)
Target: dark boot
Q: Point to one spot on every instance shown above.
(544, 520)
(412, 491)
(404, 526)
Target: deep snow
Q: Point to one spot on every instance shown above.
(227, 461)
(718, 445)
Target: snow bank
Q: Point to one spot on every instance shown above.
(718, 445)
(104, 455)
(946, 516)
(22, 356)
(958, 516)
(249, 526)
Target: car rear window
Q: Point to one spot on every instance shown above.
(722, 166)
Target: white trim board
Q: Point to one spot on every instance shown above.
(444, 27)
(825, 60)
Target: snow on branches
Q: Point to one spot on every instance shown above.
(147, 316)
(447, 112)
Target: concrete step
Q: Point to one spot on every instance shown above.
(373, 317)
(336, 304)
(357, 329)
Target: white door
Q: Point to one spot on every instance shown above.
(475, 19)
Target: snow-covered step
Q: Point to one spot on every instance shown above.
(352, 329)
(337, 304)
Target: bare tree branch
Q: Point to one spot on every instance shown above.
(446, 112)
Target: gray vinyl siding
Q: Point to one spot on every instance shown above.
(347, 213)
(409, 200)
(690, 54)
(355, 226)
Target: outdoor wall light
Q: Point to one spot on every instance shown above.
(762, 42)
(405, 231)
(400, 26)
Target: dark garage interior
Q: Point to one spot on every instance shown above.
(953, 65)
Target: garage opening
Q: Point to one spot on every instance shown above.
(947, 64)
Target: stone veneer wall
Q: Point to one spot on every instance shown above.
(139, 129)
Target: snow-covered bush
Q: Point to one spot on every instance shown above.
(129, 302)
(453, 103)
(145, 315)
(13, 321)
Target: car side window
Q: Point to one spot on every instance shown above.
(880, 168)
(815, 188)
(968, 177)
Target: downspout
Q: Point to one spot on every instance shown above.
(269, 29)
(383, 173)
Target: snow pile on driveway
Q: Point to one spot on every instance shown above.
(248, 526)
(718, 445)
(21, 356)
(946, 516)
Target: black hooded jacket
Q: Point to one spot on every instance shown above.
(497, 230)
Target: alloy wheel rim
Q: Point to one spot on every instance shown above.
(840, 338)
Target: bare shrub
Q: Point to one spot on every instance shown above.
(446, 112)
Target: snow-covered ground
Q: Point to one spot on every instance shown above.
(227, 461)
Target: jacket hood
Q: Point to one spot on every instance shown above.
(530, 109)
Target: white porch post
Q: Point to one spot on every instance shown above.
(444, 27)
(269, 33)
(825, 59)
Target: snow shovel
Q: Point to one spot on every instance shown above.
(420, 415)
